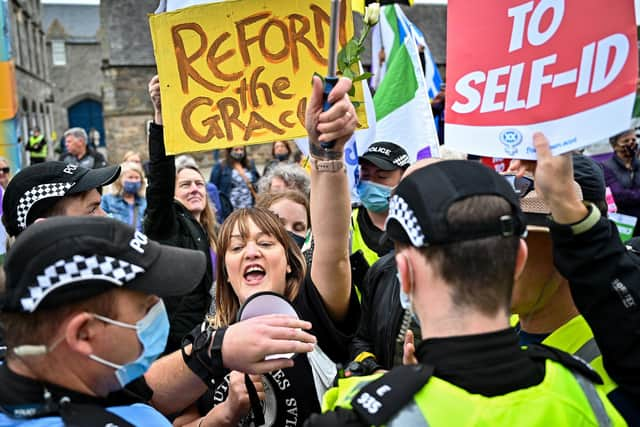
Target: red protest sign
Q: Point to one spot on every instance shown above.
(517, 66)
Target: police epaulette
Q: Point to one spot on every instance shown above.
(381, 399)
(575, 364)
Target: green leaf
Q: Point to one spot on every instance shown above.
(352, 91)
(356, 104)
(362, 76)
(342, 60)
(352, 50)
(348, 73)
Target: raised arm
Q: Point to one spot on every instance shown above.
(603, 276)
(160, 219)
(330, 204)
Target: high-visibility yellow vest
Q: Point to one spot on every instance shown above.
(357, 242)
(42, 153)
(575, 337)
(563, 398)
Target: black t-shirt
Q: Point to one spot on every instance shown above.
(290, 393)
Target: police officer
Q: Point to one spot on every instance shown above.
(457, 230)
(83, 318)
(381, 168)
(37, 147)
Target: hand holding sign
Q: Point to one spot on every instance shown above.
(337, 124)
(154, 94)
(554, 181)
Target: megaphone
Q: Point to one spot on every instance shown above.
(264, 303)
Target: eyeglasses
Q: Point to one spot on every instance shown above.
(5, 170)
(521, 185)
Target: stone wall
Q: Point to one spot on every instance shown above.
(80, 79)
(127, 109)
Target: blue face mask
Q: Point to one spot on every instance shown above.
(153, 331)
(374, 197)
(131, 187)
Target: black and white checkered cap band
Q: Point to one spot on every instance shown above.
(64, 272)
(400, 211)
(37, 193)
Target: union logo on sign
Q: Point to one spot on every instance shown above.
(510, 139)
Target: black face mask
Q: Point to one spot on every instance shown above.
(298, 239)
(237, 156)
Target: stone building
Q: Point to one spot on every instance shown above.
(127, 64)
(74, 57)
(35, 95)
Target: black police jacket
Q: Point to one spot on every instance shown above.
(604, 278)
(381, 312)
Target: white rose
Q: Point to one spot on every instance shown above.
(372, 14)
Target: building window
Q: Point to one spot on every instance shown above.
(58, 52)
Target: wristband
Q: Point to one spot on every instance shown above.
(205, 359)
(327, 165)
(320, 153)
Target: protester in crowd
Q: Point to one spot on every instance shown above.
(127, 203)
(214, 195)
(179, 214)
(281, 153)
(255, 254)
(622, 174)
(457, 229)
(381, 167)
(5, 173)
(292, 207)
(53, 189)
(78, 334)
(603, 275)
(541, 295)
(236, 177)
(283, 177)
(37, 147)
(78, 152)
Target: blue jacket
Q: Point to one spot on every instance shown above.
(221, 176)
(118, 208)
(137, 414)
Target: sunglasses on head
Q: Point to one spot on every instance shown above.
(5, 170)
(521, 185)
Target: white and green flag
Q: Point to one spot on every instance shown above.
(403, 112)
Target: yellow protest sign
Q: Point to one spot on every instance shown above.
(239, 72)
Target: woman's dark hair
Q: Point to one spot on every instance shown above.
(273, 147)
(230, 160)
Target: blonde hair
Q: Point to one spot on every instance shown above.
(117, 187)
(207, 216)
(227, 303)
(130, 154)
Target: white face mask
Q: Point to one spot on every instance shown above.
(406, 301)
